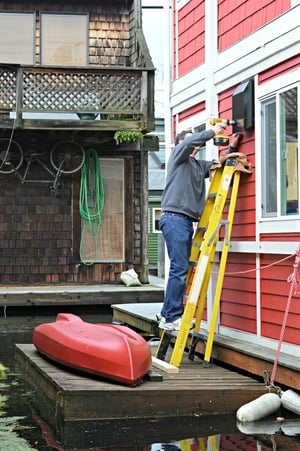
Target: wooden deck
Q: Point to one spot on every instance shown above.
(255, 359)
(63, 397)
(81, 294)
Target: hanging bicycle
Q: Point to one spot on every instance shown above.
(66, 157)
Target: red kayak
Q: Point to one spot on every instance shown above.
(108, 350)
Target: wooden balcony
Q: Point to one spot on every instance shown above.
(99, 99)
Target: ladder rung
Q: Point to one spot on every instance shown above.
(200, 336)
(201, 263)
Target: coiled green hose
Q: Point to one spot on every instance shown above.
(91, 201)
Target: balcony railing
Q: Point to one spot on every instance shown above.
(75, 98)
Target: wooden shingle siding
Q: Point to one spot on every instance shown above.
(109, 87)
(111, 28)
(40, 233)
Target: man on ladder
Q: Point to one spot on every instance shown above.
(182, 204)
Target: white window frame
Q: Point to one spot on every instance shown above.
(156, 212)
(273, 224)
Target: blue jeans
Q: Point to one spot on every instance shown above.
(178, 233)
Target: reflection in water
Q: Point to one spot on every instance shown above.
(212, 433)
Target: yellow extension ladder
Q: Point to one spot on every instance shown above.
(225, 181)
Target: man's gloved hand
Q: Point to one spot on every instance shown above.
(235, 140)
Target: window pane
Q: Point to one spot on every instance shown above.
(108, 244)
(17, 38)
(202, 154)
(64, 39)
(269, 168)
(289, 152)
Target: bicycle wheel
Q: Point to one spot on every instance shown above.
(11, 156)
(67, 157)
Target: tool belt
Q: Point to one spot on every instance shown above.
(243, 165)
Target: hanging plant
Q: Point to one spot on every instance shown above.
(122, 136)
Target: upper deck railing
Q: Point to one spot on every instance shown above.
(76, 98)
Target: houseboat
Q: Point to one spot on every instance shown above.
(240, 61)
(76, 99)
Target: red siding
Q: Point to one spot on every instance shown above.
(275, 292)
(238, 306)
(196, 109)
(225, 105)
(239, 18)
(244, 219)
(238, 442)
(279, 69)
(190, 37)
(290, 237)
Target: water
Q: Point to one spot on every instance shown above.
(22, 428)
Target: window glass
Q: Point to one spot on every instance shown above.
(202, 154)
(289, 151)
(280, 156)
(156, 212)
(269, 203)
(17, 33)
(109, 243)
(64, 39)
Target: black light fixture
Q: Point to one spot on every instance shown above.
(243, 106)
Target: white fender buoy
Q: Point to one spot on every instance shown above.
(291, 427)
(291, 401)
(265, 426)
(259, 408)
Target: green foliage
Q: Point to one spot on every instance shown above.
(9, 426)
(122, 136)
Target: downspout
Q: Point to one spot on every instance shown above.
(144, 269)
(211, 99)
(168, 60)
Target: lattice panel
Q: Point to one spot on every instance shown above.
(58, 91)
(8, 81)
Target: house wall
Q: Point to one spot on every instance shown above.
(111, 27)
(189, 36)
(40, 232)
(250, 40)
(237, 19)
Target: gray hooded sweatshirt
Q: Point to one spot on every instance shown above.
(185, 183)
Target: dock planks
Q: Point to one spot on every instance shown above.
(81, 294)
(63, 395)
(245, 356)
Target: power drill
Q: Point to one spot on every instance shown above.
(221, 140)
